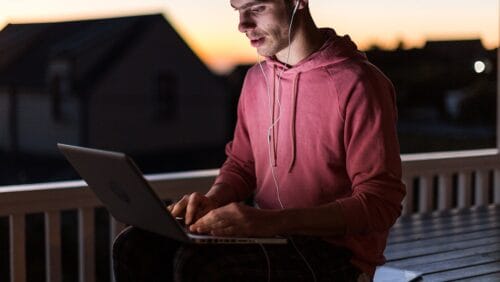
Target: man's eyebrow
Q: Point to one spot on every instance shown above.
(249, 4)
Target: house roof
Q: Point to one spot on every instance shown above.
(455, 47)
(91, 45)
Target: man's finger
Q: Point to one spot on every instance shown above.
(179, 207)
(192, 206)
(201, 224)
(208, 222)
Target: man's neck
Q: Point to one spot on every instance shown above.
(306, 40)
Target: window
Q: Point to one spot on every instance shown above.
(59, 85)
(55, 94)
(167, 96)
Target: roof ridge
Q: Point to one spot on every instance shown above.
(123, 43)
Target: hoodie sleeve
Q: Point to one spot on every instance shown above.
(238, 171)
(372, 153)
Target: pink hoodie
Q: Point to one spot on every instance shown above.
(335, 140)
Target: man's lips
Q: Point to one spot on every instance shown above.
(256, 42)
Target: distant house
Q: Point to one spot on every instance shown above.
(455, 48)
(440, 80)
(127, 83)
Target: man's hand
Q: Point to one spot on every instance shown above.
(238, 220)
(192, 207)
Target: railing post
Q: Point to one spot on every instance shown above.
(53, 246)
(425, 195)
(444, 191)
(496, 187)
(481, 188)
(115, 227)
(464, 189)
(17, 229)
(408, 200)
(86, 245)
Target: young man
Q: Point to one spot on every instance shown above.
(315, 145)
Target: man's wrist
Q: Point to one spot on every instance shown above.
(214, 200)
(220, 194)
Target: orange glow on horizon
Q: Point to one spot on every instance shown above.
(222, 57)
(218, 43)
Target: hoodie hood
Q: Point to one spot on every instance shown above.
(335, 50)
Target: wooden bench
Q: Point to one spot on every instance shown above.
(451, 245)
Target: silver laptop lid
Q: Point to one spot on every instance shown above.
(121, 187)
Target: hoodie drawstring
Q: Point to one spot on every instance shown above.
(293, 116)
(273, 121)
(292, 120)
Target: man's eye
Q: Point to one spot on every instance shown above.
(257, 9)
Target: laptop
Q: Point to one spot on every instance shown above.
(122, 188)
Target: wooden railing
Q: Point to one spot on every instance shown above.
(448, 180)
(435, 181)
(52, 198)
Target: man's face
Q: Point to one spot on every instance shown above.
(265, 23)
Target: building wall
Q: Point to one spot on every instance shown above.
(124, 112)
(4, 121)
(38, 131)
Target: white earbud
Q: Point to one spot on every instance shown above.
(296, 8)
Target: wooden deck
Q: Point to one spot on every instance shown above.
(458, 245)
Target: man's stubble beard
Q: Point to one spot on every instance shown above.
(273, 46)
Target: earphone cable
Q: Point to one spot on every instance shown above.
(268, 262)
(271, 127)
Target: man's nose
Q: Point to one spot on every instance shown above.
(246, 23)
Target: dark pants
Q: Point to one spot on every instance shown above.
(143, 256)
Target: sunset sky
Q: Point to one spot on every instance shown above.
(209, 26)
